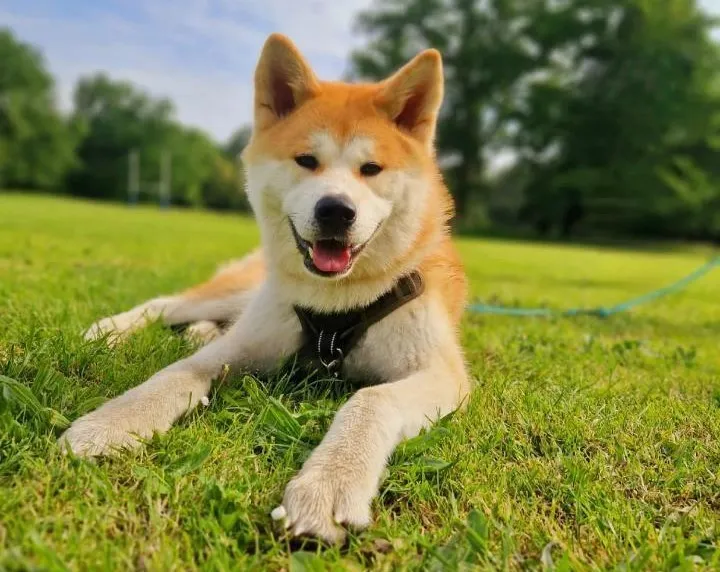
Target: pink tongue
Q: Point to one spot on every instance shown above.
(330, 258)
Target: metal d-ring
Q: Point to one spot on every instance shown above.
(333, 367)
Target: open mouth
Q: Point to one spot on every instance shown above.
(327, 257)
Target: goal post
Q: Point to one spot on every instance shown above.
(162, 188)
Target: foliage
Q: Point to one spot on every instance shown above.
(644, 97)
(483, 54)
(592, 117)
(117, 119)
(594, 100)
(237, 142)
(120, 119)
(88, 152)
(36, 141)
(223, 189)
(588, 443)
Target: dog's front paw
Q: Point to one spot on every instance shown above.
(113, 329)
(90, 436)
(318, 502)
(118, 327)
(203, 332)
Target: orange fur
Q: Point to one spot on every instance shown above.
(241, 276)
(400, 222)
(398, 115)
(346, 111)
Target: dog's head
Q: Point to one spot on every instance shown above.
(342, 177)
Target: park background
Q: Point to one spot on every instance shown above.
(580, 139)
(563, 118)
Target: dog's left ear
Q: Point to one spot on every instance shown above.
(283, 81)
(413, 95)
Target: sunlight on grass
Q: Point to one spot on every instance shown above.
(588, 443)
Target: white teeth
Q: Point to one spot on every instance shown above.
(310, 250)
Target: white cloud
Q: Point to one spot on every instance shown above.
(199, 53)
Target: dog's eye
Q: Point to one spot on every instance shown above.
(308, 162)
(370, 169)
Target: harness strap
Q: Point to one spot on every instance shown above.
(330, 337)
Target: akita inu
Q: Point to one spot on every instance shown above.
(356, 266)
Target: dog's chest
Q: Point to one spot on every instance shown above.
(385, 340)
(395, 347)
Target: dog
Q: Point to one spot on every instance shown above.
(356, 269)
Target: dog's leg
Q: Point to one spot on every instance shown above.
(171, 310)
(265, 333)
(221, 299)
(203, 331)
(339, 480)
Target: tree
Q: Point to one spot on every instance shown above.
(118, 118)
(223, 190)
(36, 142)
(204, 172)
(488, 49)
(634, 97)
(601, 102)
(237, 142)
(400, 28)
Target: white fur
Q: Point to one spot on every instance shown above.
(172, 310)
(299, 203)
(203, 331)
(339, 480)
(286, 188)
(391, 202)
(201, 313)
(262, 334)
(413, 353)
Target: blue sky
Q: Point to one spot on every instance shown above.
(201, 53)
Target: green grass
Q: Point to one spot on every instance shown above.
(590, 443)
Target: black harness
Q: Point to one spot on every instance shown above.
(330, 337)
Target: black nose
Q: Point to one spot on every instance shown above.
(334, 214)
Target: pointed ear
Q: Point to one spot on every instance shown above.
(283, 81)
(413, 95)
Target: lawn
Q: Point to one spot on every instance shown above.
(589, 443)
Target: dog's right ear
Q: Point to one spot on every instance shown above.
(283, 81)
(412, 96)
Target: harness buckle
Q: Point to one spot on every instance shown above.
(324, 331)
(408, 288)
(333, 368)
(335, 364)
